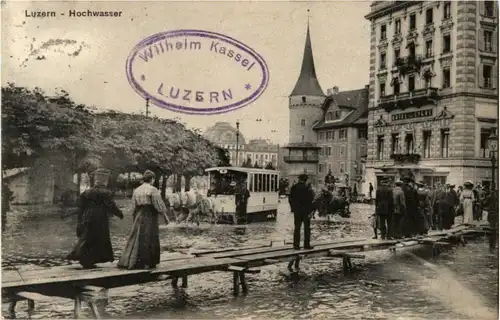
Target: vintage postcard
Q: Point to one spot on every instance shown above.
(249, 159)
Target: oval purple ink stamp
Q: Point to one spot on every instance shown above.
(196, 72)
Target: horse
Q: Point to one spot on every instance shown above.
(327, 204)
(192, 207)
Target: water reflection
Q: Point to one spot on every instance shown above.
(401, 286)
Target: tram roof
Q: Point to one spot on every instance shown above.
(242, 169)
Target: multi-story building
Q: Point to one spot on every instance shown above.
(326, 131)
(433, 90)
(259, 151)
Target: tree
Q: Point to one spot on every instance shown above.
(270, 166)
(248, 163)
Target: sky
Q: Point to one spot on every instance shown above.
(86, 56)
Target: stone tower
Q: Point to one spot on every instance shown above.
(305, 109)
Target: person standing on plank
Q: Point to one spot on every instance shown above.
(384, 204)
(301, 203)
(143, 246)
(95, 207)
(399, 211)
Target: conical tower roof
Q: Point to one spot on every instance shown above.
(307, 84)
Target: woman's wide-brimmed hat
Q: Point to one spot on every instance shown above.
(468, 183)
(102, 172)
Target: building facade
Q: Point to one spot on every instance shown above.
(433, 90)
(259, 151)
(324, 129)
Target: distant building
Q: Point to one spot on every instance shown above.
(327, 132)
(433, 90)
(259, 151)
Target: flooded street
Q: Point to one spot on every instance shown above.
(460, 284)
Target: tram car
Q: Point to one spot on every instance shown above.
(262, 184)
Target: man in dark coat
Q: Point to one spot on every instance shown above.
(384, 204)
(411, 203)
(399, 210)
(439, 207)
(95, 207)
(241, 199)
(301, 203)
(451, 202)
(370, 191)
(491, 206)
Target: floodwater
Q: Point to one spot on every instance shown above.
(461, 284)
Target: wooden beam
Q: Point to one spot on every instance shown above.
(243, 269)
(271, 261)
(341, 254)
(33, 296)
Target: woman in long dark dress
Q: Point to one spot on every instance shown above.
(143, 246)
(95, 207)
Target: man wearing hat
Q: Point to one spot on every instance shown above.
(95, 207)
(301, 203)
(424, 207)
(399, 210)
(384, 204)
(411, 204)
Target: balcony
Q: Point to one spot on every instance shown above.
(408, 99)
(305, 158)
(405, 158)
(406, 65)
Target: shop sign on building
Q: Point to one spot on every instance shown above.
(412, 115)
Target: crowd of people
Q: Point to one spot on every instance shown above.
(407, 208)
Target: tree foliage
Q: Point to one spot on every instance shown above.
(36, 125)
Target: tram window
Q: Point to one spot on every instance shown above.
(272, 182)
(257, 183)
(267, 183)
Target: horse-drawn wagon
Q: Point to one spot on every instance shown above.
(333, 199)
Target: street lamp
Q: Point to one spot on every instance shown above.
(493, 140)
(237, 140)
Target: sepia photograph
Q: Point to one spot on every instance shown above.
(249, 160)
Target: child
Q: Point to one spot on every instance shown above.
(374, 224)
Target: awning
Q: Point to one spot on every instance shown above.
(415, 167)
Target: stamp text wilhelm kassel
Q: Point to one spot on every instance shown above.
(73, 14)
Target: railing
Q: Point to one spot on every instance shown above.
(306, 158)
(410, 98)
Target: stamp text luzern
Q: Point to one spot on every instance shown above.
(215, 46)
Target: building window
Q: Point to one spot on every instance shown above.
(446, 78)
(487, 71)
(342, 134)
(303, 122)
(302, 138)
(396, 86)
(396, 54)
(409, 143)
(329, 116)
(446, 43)
(380, 147)
(445, 139)
(397, 26)
(362, 151)
(411, 50)
(362, 133)
(329, 153)
(489, 8)
(303, 99)
(428, 16)
(488, 36)
(342, 151)
(338, 114)
(413, 21)
(427, 143)
(382, 61)
(484, 144)
(411, 83)
(321, 168)
(382, 89)
(328, 135)
(447, 10)
(321, 136)
(383, 32)
(428, 48)
(395, 143)
(342, 167)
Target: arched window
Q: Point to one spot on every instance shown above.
(304, 99)
(329, 116)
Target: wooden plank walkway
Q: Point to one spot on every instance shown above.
(91, 285)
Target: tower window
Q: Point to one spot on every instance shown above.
(303, 122)
(446, 43)
(413, 21)
(303, 99)
(446, 78)
(428, 16)
(447, 10)
(411, 83)
(329, 116)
